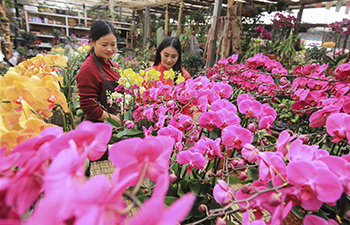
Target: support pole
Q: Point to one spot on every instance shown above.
(166, 20)
(179, 18)
(148, 30)
(216, 14)
(298, 20)
(111, 7)
(145, 26)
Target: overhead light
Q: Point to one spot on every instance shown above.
(295, 0)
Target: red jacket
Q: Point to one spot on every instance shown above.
(89, 81)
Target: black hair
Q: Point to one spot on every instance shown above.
(99, 29)
(173, 42)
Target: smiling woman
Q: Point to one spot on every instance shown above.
(97, 75)
(168, 56)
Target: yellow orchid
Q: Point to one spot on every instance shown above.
(180, 79)
(152, 74)
(31, 90)
(328, 44)
(18, 92)
(169, 74)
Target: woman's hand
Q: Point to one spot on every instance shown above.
(106, 115)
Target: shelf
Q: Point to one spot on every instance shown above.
(65, 20)
(47, 24)
(45, 45)
(49, 36)
(79, 28)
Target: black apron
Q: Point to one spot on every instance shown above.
(107, 85)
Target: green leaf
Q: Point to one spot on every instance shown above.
(253, 173)
(172, 190)
(128, 133)
(297, 211)
(142, 197)
(112, 122)
(295, 119)
(194, 185)
(169, 199)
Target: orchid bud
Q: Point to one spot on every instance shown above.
(242, 209)
(347, 214)
(220, 221)
(219, 173)
(146, 191)
(266, 142)
(281, 106)
(274, 199)
(172, 178)
(245, 189)
(303, 138)
(202, 208)
(188, 123)
(170, 104)
(243, 176)
(129, 124)
(251, 127)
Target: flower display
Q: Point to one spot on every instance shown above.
(29, 92)
(253, 138)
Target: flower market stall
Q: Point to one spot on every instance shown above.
(260, 137)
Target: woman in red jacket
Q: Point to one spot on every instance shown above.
(97, 75)
(168, 56)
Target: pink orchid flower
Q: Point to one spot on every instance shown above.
(341, 168)
(342, 72)
(210, 120)
(171, 131)
(270, 163)
(236, 137)
(233, 58)
(223, 104)
(135, 155)
(244, 97)
(182, 122)
(283, 139)
(319, 118)
(245, 220)
(250, 152)
(147, 132)
(250, 108)
(315, 220)
(89, 137)
(148, 112)
(172, 215)
(209, 147)
(223, 89)
(338, 126)
(314, 181)
(229, 118)
(222, 192)
(192, 159)
(266, 122)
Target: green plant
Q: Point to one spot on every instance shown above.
(192, 62)
(29, 37)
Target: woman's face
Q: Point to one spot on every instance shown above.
(105, 47)
(169, 57)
